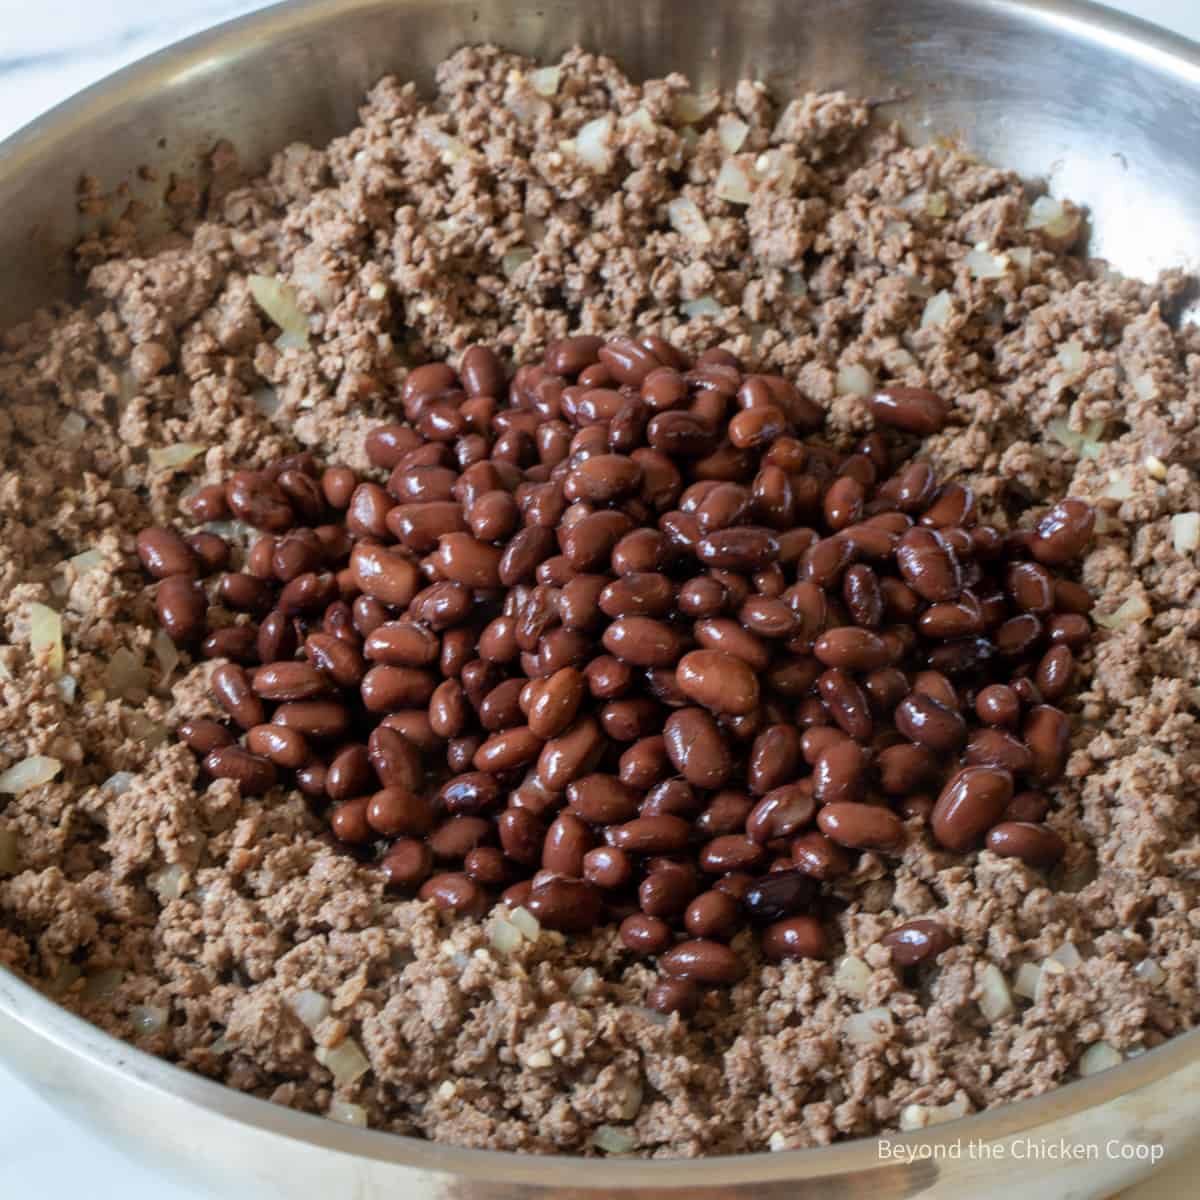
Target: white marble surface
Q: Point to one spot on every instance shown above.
(48, 50)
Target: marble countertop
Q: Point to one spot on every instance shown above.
(48, 50)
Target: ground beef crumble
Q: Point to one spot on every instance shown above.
(128, 887)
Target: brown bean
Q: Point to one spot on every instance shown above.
(650, 835)
(289, 681)
(1047, 733)
(696, 748)
(746, 548)
(454, 892)
(397, 811)
(717, 680)
(846, 702)
(253, 775)
(163, 553)
(702, 961)
(385, 689)
(383, 574)
(861, 826)
(203, 735)
(454, 839)
(571, 755)
(516, 747)
(320, 719)
(238, 643)
(607, 867)
(395, 759)
(644, 934)
(998, 705)
(996, 748)
(794, 938)
(569, 905)
(906, 768)
(181, 607)
(730, 852)
(258, 501)
(521, 836)
(348, 821)
(566, 843)
(231, 686)
(1064, 532)
(644, 642)
(910, 409)
(712, 915)
(928, 565)
(284, 747)
(674, 996)
(1035, 844)
(916, 942)
(928, 722)
(407, 864)
(816, 855)
(730, 638)
(970, 804)
(852, 649)
(839, 773)
(1054, 673)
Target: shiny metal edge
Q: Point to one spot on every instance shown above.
(28, 1009)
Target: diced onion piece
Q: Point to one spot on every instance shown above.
(586, 983)
(639, 119)
(166, 653)
(8, 852)
(513, 260)
(316, 280)
(166, 458)
(89, 560)
(545, 80)
(853, 976)
(1147, 970)
(938, 310)
(1133, 611)
(71, 430)
(103, 984)
(1048, 215)
(526, 922)
(1099, 1056)
(995, 998)
(67, 687)
(118, 783)
(502, 933)
(278, 301)
(1066, 955)
(266, 401)
(1185, 532)
(853, 379)
(45, 635)
(526, 107)
(30, 772)
(871, 1027)
(690, 109)
(148, 1018)
(984, 264)
(921, 1116)
(687, 219)
(733, 184)
(1026, 983)
(795, 284)
(167, 884)
(613, 1140)
(731, 133)
(778, 168)
(151, 732)
(935, 204)
(451, 150)
(1155, 467)
(310, 1007)
(346, 1062)
(1022, 256)
(594, 143)
(1144, 386)
(125, 675)
(347, 1113)
(702, 306)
